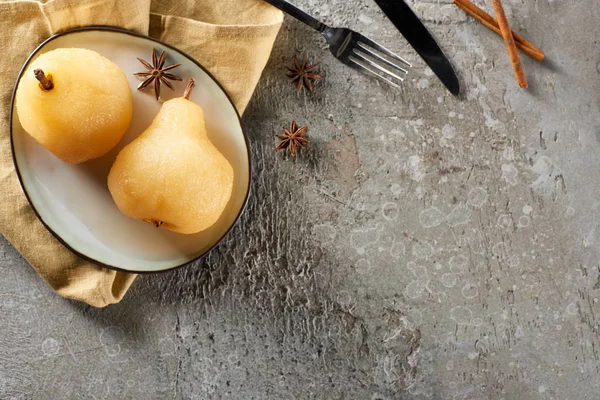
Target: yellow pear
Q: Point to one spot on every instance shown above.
(75, 103)
(172, 176)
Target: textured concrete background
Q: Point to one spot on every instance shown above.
(423, 247)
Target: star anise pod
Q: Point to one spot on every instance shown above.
(301, 74)
(293, 138)
(157, 73)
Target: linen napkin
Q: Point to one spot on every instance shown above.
(231, 38)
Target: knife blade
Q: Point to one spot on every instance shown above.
(411, 27)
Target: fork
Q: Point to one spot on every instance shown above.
(353, 49)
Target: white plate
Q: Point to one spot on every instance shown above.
(73, 201)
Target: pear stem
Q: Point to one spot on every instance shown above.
(45, 81)
(189, 88)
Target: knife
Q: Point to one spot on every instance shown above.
(421, 40)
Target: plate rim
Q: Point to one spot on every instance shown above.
(192, 59)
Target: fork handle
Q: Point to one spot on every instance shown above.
(298, 14)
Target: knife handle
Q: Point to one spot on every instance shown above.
(298, 14)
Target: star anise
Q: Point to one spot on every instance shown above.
(301, 74)
(293, 138)
(157, 73)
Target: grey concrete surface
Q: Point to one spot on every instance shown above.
(422, 247)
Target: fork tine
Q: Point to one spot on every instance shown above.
(377, 56)
(362, 68)
(377, 66)
(382, 49)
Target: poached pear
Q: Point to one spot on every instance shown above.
(74, 102)
(172, 175)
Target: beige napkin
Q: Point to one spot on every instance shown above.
(232, 38)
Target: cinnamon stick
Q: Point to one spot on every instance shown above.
(513, 53)
(491, 23)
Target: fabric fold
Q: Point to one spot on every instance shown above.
(219, 49)
(67, 14)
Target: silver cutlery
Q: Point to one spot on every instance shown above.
(354, 49)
